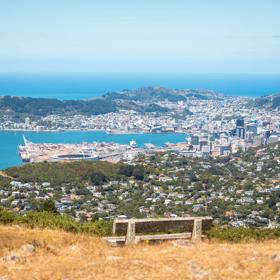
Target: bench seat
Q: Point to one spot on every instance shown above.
(115, 240)
(138, 230)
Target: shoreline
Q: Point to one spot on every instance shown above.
(11, 139)
(92, 130)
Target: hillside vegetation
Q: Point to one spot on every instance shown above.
(141, 100)
(53, 254)
(72, 172)
(38, 107)
(240, 190)
(47, 219)
(59, 172)
(271, 101)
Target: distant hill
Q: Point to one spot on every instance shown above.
(39, 107)
(155, 94)
(141, 100)
(271, 101)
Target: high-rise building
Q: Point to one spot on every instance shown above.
(27, 121)
(194, 140)
(239, 123)
(266, 136)
(240, 132)
(253, 127)
(250, 136)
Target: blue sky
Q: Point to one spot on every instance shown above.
(199, 36)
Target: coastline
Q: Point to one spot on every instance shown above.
(92, 130)
(11, 139)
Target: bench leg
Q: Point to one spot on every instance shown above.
(197, 230)
(114, 227)
(130, 235)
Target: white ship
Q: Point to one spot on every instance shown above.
(23, 150)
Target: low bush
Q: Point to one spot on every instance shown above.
(7, 217)
(35, 219)
(50, 220)
(242, 234)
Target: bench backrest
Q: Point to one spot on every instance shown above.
(160, 225)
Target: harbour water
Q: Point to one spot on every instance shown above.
(9, 141)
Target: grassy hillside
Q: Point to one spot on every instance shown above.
(52, 254)
(49, 220)
(60, 172)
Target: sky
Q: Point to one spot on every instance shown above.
(198, 36)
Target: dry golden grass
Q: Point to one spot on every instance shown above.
(60, 255)
(3, 174)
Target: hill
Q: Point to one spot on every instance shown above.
(62, 172)
(271, 101)
(140, 100)
(239, 190)
(155, 94)
(20, 107)
(52, 254)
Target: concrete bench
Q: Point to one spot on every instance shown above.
(133, 231)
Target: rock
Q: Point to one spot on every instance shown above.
(73, 247)
(36, 243)
(28, 248)
(169, 269)
(19, 255)
(182, 243)
(113, 258)
(276, 257)
(10, 258)
(198, 272)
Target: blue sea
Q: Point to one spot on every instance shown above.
(86, 86)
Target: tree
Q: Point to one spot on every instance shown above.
(98, 178)
(138, 172)
(48, 206)
(126, 170)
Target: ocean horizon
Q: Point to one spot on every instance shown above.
(92, 85)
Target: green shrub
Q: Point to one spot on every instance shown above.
(58, 173)
(7, 217)
(51, 220)
(48, 205)
(98, 178)
(242, 234)
(100, 228)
